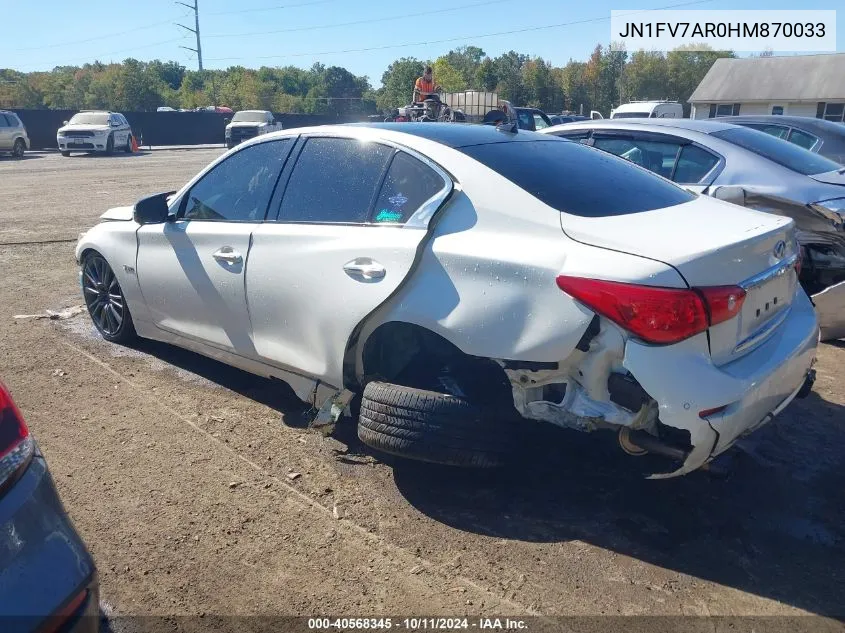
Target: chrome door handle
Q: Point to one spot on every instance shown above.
(364, 268)
(229, 255)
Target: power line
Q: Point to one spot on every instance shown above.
(124, 50)
(358, 22)
(92, 39)
(196, 31)
(453, 39)
(274, 8)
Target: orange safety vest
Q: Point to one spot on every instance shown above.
(425, 87)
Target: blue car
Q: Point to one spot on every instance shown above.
(48, 581)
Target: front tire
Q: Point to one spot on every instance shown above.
(432, 427)
(105, 301)
(18, 148)
(128, 147)
(65, 154)
(110, 145)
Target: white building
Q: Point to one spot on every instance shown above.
(800, 85)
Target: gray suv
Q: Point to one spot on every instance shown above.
(13, 136)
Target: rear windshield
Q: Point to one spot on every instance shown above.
(781, 152)
(252, 117)
(577, 179)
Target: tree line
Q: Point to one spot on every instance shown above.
(606, 79)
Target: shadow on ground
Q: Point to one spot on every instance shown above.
(773, 526)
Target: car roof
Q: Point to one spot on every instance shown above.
(456, 135)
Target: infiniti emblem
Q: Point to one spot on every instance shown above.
(779, 249)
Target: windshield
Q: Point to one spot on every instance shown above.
(781, 152)
(625, 188)
(89, 118)
(630, 115)
(252, 117)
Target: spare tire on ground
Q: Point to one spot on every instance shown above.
(432, 427)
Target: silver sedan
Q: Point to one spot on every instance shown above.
(749, 168)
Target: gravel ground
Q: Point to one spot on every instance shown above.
(199, 491)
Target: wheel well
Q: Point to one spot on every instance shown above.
(413, 356)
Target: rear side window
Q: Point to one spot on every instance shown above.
(781, 152)
(526, 119)
(693, 165)
(803, 139)
(408, 185)
(334, 181)
(239, 188)
(584, 181)
(13, 120)
(539, 122)
(3, 121)
(575, 135)
(654, 156)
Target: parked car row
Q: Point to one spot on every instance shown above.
(447, 284)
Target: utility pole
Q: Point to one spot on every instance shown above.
(195, 7)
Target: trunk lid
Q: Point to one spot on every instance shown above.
(711, 243)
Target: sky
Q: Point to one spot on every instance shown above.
(255, 33)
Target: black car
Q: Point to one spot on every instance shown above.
(817, 135)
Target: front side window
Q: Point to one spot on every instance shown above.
(786, 154)
(239, 188)
(334, 181)
(571, 187)
(408, 185)
(803, 139)
(14, 121)
(655, 156)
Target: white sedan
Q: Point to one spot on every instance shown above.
(451, 282)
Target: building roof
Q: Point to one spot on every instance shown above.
(794, 78)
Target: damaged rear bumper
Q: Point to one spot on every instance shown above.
(830, 305)
(755, 388)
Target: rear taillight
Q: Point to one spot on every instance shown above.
(16, 446)
(723, 302)
(656, 314)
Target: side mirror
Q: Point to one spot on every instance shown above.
(152, 209)
(64, 122)
(227, 121)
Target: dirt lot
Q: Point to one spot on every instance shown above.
(180, 474)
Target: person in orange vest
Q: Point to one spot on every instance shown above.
(425, 85)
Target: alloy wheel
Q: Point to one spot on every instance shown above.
(103, 297)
